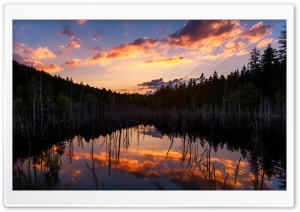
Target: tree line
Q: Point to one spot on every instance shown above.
(259, 85)
(44, 103)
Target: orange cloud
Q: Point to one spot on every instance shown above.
(74, 43)
(264, 42)
(141, 169)
(171, 154)
(230, 165)
(242, 52)
(257, 32)
(232, 48)
(73, 62)
(203, 36)
(125, 51)
(206, 48)
(50, 68)
(150, 165)
(99, 58)
(132, 49)
(81, 22)
(68, 31)
(39, 53)
(228, 50)
(167, 61)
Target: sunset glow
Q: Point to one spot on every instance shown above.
(126, 56)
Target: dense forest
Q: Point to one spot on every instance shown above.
(43, 103)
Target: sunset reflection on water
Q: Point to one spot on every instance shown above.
(141, 158)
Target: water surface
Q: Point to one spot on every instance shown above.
(144, 158)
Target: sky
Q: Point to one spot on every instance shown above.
(138, 56)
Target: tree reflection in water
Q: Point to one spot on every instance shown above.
(185, 155)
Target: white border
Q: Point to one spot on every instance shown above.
(146, 198)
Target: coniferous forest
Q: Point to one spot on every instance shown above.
(47, 109)
(43, 102)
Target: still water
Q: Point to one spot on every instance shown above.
(144, 158)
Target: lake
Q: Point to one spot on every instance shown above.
(151, 157)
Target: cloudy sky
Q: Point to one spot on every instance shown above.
(137, 56)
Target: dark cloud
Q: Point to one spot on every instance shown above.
(99, 55)
(58, 53)
(97, 49)
(144, 42)
(68, 31)
(258, 29)
(198, 30)
(149, 92)
(257, 32)
(157, 83)
(153, 84)
(98, 34)
(113, 55)
(177, 81)
(151, 132)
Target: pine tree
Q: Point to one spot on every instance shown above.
(254, 61)
(282, 47)
(268, 61)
